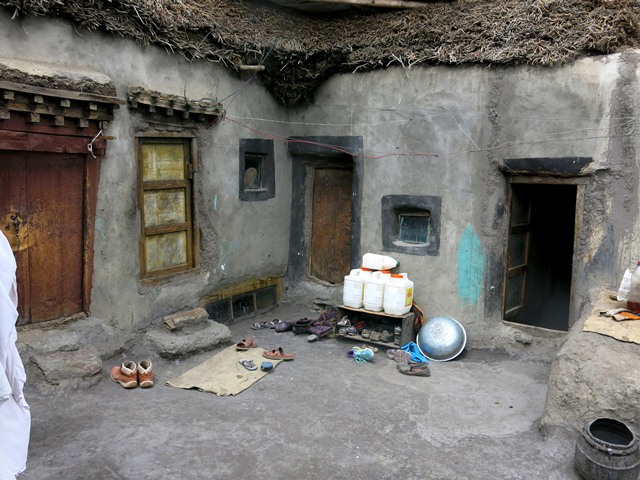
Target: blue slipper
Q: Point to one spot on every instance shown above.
(266, 366)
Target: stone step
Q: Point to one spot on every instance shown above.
(187, 340)
(64, 370)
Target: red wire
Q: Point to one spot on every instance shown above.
(334, 147)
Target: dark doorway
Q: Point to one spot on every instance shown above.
(540, 255)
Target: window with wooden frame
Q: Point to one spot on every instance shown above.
(165, 179)
(257, 170)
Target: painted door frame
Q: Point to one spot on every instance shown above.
(308, 153)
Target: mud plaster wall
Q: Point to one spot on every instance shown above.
(241, 240)
(438, 131)
(472, 119)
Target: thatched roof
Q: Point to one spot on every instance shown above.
(299, 50)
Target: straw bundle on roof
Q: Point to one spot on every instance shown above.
(299, 49)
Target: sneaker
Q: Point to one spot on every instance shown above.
(397, 335)
(145, 374)
(125, 374)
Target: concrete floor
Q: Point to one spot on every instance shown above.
(321, 416)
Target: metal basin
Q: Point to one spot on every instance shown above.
(441, 339)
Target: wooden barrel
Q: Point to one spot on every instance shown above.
(607, 450)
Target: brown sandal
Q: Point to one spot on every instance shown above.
(278, 354)
(246, 344)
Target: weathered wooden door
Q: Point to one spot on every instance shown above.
(331, 224)
(517, 252)
(41, 210)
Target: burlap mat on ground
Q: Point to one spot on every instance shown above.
(222, 374)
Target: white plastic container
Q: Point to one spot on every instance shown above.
(353, 290)
(398, 294)
(373, 296)
(633, 298)
(378, 262)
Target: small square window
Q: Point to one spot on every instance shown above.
(414, 228)
(257, 170)
(253, 171)
(411, 224)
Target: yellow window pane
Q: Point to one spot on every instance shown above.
(162, 161)
(166, 250)
(164, 207)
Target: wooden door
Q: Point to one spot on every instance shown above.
(517, 251)
(42, 214)
(331, 224)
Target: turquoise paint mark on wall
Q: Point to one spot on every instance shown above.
(470, 267)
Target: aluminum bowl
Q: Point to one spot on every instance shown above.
(441, 339)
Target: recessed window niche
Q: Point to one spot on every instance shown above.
(411, 224)
(257, 170)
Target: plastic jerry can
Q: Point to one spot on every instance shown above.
(633, 297)
(374, 291)
(398, 294)
(353, 290)
(378, 262)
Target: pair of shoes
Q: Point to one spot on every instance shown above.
(386, 336)
(375, 336)
(399, 356)
(397, 335)
(415, 368)
(302, 326)
(277, 354)
(363, 346)
(246, 344)
(361, 355)
(344, 322)
(366, 333)
(264, 325)
(284, 326)
(130, 375)
(321, 330)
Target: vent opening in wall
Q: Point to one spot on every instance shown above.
(242, 301)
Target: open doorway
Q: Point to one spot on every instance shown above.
(539, 259)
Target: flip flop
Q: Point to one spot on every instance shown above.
(246, 344)
(274, 323)
(260, 325)
(278, 354)
(248, 364)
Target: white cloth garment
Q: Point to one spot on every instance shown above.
(15, 417)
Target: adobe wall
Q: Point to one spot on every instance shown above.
(473, 118)
(240, 240)
(439, 131)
